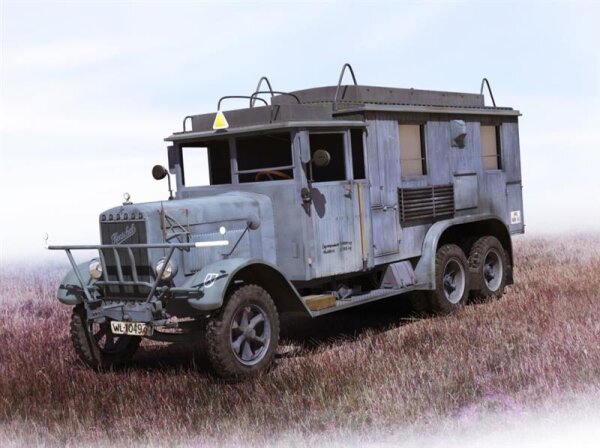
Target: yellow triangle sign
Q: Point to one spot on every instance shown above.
(220, 121)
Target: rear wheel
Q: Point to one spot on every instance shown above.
(243, 336)
(96, 345)
(488, 258)
(451, 281)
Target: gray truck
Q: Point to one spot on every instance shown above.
(315, 201)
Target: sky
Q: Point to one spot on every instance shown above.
(89, 90)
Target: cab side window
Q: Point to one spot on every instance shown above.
(333, 143)
(263, 158)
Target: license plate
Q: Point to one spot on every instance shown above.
(130, 328)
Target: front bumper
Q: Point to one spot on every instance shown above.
(79, 287)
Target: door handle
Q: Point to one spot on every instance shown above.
(306, 196)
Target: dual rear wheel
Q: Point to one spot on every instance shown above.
(489, 260)
(482, 275)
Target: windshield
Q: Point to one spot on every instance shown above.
(206, 163)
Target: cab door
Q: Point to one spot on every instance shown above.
(340, 233)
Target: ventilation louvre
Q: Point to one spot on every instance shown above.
(427, 203)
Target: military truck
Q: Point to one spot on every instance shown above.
(315, 201)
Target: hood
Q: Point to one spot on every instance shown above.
(197, 219)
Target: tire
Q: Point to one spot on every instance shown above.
(489, 262)
(451, 281)
(243, 336)
(96, 345)
(467, 243)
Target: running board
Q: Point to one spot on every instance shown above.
(340, 304)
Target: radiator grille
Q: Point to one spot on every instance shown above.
(427, 203)
(126, 232)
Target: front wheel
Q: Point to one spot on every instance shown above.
(96, 345)
(243, 336)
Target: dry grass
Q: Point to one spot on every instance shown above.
(372, 367)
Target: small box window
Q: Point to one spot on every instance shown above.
(490, 147)
(412, 150)
(358, 154)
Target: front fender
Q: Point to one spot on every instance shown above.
(212, 282)
(207, 289)
(69, 291)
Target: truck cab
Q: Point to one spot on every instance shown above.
(315, 201)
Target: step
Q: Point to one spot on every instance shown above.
(319, 301)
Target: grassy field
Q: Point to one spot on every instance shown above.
(372, 368)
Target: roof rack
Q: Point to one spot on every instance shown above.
(252, 98)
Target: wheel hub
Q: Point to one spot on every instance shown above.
(489, 272)
(492, 270)
(250, 334)
(449, 283)
(454, 281)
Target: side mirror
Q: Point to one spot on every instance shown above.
(321, 158)
(159, 172)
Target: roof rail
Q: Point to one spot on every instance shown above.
(227, 97)
(184, 120)
(260, 81)
(258, 92)
(249, 97)
(485, 81)
(337, 90)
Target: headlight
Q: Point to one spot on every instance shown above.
(95, 268)
(169, 270)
